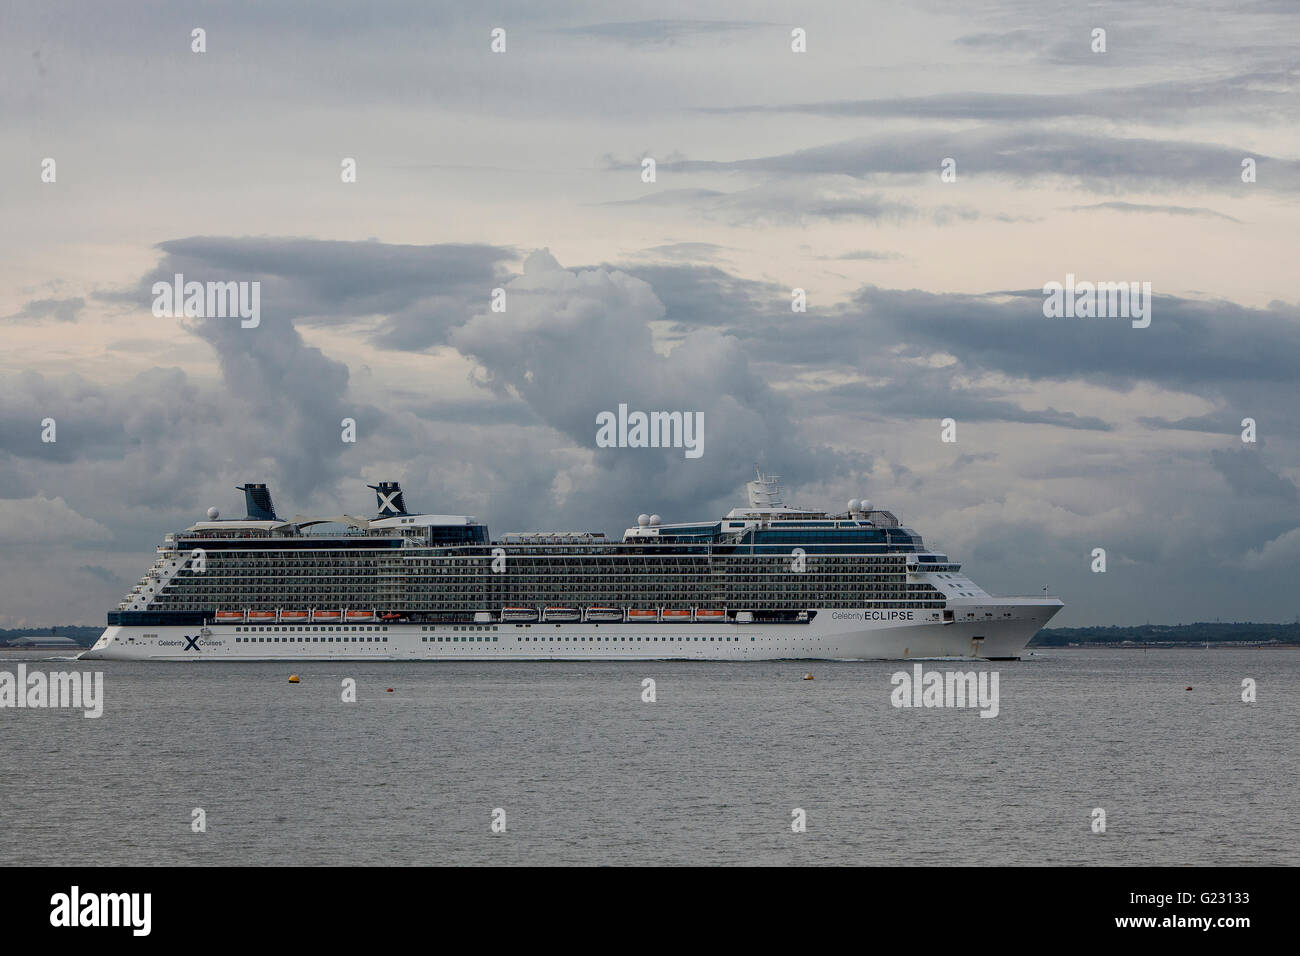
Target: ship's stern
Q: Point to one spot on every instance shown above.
(106, 648)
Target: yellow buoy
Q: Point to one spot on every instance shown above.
(293, 679)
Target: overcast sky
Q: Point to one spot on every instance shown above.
(775, 170)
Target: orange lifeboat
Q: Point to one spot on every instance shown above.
(639, 614)
(676, 614)
(261, 615)
(294, 616)
(328, 617)
(230, 615)
(561, 614)
(360, 616)
(710, 615)
(518, 614)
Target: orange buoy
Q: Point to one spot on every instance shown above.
(293, 679)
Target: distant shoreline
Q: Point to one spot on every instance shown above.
(1167, 645)
(1233, 634)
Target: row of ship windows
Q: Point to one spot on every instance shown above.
(515, 580)
(569, 556)
(791, 579)
(635, 640)
(218, 562)
(361, 596)
(788, 584)
(215, 576)
(356, 627)
(626, 640)
(309, 640)
(608, 567)
(372, 596)
(460, 607)
(494, 584)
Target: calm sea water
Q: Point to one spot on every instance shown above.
(708, 774)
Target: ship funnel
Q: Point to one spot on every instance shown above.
(389, 494)
(257, 499)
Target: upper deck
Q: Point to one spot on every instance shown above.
(767, 522)
(766, 558)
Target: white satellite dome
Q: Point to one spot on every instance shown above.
(854, 505)
(643, 519)
(654, 521)
(213, 514)
(866, 504)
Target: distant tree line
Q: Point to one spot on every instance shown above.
(1242, 631)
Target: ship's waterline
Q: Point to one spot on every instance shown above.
(765, 582)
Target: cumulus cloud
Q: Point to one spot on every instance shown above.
(1190, 343)
(292, 399)
(1283, 550)
(40, 521)
(573, 344)
(1246, 473)
(413, 293)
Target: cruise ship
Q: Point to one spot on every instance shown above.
(767, 582)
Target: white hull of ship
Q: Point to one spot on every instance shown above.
(987, 631)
